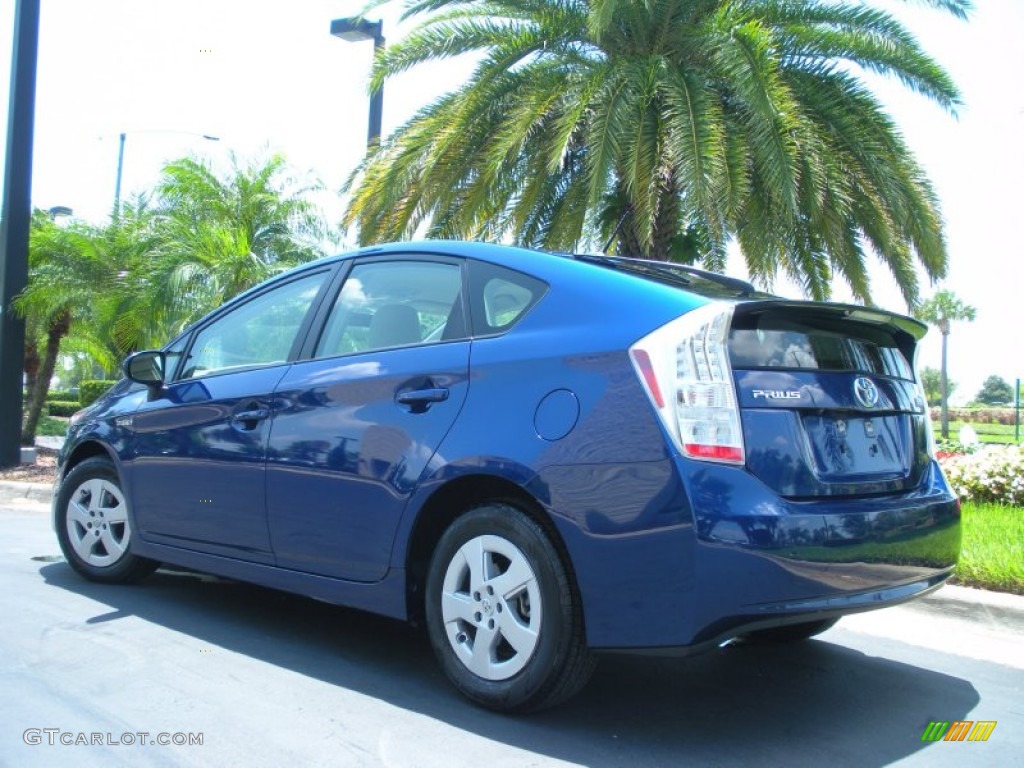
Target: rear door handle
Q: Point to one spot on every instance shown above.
(420, 399)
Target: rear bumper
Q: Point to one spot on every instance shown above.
(739, 557)
(826, 606)
(795, 612)
(767, 561)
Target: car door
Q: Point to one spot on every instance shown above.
(359, 422)
(199, 447)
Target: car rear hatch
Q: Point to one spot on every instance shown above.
(815, 399)
(827, 398)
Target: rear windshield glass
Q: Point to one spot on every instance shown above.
(770, 341)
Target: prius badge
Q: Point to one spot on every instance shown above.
(865, 392)
(777, 394)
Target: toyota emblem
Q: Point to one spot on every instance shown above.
(865, 392)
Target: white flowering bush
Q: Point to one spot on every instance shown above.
(995, 474)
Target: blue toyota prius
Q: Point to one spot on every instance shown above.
(537, 456)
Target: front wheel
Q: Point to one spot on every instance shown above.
(93, 528)
(502, 614)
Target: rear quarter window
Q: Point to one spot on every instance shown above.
(500, 297)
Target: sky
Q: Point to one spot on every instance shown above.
(267, 76)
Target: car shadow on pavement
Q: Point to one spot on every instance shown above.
(811, 703)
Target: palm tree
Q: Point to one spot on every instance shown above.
(66, 278)
(129, 314)
(111, 290)
(940, 310)
(217, 236)
(666, 128)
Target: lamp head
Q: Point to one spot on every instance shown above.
(355, 29)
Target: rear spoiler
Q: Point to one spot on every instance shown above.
(872, 315)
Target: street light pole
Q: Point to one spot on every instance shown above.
(377, 97)
(15, 220)
(354, 30)
(120, 160)
(120, 167)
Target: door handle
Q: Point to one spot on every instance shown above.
(420, 399)
(249, 419)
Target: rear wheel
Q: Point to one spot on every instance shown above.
(93, 528)
(502, 615)
(790, 633)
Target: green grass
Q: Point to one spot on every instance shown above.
(991, 538)
(992, 552)
(987, 433)
(51, 426)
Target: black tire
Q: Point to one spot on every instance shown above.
(535, 654)
(93, 528)
(790, 633)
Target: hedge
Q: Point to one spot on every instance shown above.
(63, 407)
(90, 391)
(977, 415)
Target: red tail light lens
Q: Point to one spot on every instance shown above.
(642, 361)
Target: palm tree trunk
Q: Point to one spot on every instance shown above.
(666, 222)
(58, 329)
(31, 365)
(629, 242)
(665, 227)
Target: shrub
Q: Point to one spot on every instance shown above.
(52, 427)
(947, 448)
(89, 391)
(983, 415)
(995, 474)
(64, 395)
(63, 407)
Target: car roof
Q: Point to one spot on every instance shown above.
(553, 266)
(543, 264)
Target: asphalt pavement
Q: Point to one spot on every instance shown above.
(264, 678)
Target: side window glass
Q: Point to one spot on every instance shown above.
(259, 332)
(394, 304)
(500, 297)
(504, 301)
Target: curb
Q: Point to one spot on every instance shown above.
(13, 490)
(976, 604)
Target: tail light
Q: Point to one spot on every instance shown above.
(684, 367)
(921, 405)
